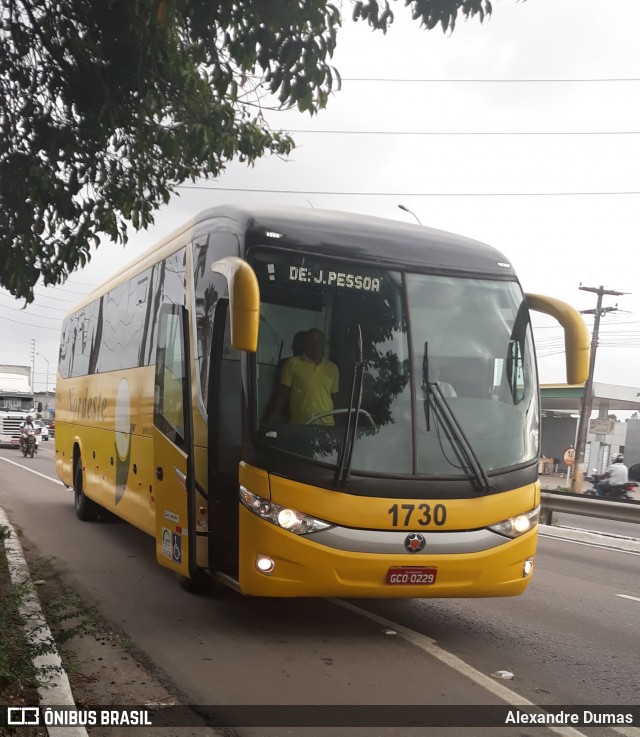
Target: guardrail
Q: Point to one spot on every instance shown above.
(587, 506)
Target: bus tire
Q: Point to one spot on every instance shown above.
(86, 509)
(194, 585)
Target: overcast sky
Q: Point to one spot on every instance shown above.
(548, 172)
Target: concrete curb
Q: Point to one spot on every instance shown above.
(57, 692)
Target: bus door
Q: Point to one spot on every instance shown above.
(173, 444)
(225, 445)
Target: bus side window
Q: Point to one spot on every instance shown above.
(170, 376)
(208, 246)
(515, 371)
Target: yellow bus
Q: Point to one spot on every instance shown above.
(406, 466)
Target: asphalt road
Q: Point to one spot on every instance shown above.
(571, 639)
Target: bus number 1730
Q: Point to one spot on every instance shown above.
(402, 514)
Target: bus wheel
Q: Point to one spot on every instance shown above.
(86, 509)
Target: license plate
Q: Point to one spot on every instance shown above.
(411, 576)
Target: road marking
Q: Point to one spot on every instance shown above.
(37, 473)
(452, 661)
(626, 596)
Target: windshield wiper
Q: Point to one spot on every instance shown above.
(453, 429)
(425, 385)
(353, 411)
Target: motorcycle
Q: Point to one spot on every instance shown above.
(29, 444)
(617, 491)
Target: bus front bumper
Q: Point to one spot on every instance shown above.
(302, 567)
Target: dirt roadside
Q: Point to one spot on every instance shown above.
(103, 666)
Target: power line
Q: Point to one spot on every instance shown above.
(30, 314)
(545, 354)
(82, 283)
(460, 133)
(482, 80)
(408, 194)
(67, 291)
(31, 325)
(559, 327)
(512, 80)
(610, 334)
(42, 295)
(56, 299)
(35, 303)
(44, 307)
(542, 354)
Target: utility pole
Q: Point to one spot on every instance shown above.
(587, 398)
(33, 365)
(46, 390)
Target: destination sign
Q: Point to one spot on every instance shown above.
(299, 271)
(334, 278)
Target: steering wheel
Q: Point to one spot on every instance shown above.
(341, 411)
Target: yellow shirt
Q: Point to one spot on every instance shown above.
(311, 388)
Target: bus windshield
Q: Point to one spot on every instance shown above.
(470, 336)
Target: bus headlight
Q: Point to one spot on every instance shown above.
(518, 525)
(284, 517)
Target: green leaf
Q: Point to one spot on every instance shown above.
(106, 106)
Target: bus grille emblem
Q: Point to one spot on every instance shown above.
(414, 542)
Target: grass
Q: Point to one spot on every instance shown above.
(66, 616)
(18, 679)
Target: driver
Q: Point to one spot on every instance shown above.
(308, 382)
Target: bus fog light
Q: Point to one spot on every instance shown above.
(527, 567)
(265, 564)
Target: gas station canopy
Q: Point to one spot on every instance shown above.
(565, 398)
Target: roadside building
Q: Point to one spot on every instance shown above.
(560, 414)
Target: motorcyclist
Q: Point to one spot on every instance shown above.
(615, 475)
(26, 427)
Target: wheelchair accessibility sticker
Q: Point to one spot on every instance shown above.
(172, 544)
(176, 546)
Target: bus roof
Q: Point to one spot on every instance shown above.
(338, 234)
(381, 240)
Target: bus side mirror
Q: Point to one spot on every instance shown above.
(244, 301)
(39, 406)
(576, 335)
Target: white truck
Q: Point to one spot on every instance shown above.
(16, 401)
